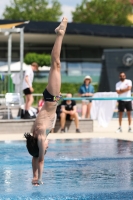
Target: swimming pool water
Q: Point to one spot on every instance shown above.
(74, 170)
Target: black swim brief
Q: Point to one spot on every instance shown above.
(48, 97)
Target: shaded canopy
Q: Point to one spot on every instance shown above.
(9, 26)
(75, 29)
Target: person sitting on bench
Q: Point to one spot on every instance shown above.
(69, 112)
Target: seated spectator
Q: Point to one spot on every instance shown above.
(86, 90)
(69, 112)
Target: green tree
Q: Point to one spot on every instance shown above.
(36, 10)
(41, 59)
(113, 12)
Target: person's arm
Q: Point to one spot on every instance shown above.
(90, 93)
(64, 110)
(93, 91)
(28, 83)
(63, 103)
(42, 148)
(74, 107)
(120, 91)
(39, 129)
(27, 80)
(35, 170)
(80, 93)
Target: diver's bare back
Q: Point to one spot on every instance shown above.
(45, 118)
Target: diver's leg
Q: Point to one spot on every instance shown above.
(54, 81)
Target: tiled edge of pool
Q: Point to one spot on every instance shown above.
(57, 136)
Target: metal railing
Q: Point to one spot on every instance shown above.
(38, 96)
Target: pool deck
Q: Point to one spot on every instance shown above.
(99, 132)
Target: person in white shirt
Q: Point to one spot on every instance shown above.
(123, 88)
(28, 89)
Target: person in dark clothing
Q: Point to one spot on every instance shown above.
(69, 112)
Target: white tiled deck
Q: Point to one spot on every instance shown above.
(99, 132)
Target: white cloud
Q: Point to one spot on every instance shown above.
(67, 12)
(3, 5)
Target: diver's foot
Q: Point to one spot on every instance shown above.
(61, 29)
(35, 182)
(40, 182)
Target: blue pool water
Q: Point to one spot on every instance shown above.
(74, 170)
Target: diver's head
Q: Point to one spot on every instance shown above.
(32, 145)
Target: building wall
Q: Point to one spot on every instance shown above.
(76, 60)
(114, 62)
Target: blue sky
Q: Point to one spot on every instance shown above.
(67, 7)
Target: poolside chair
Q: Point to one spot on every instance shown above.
(13, 100)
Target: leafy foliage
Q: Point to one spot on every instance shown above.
(36, 10)
(41, 59)
(65, 87)
(113, 12)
